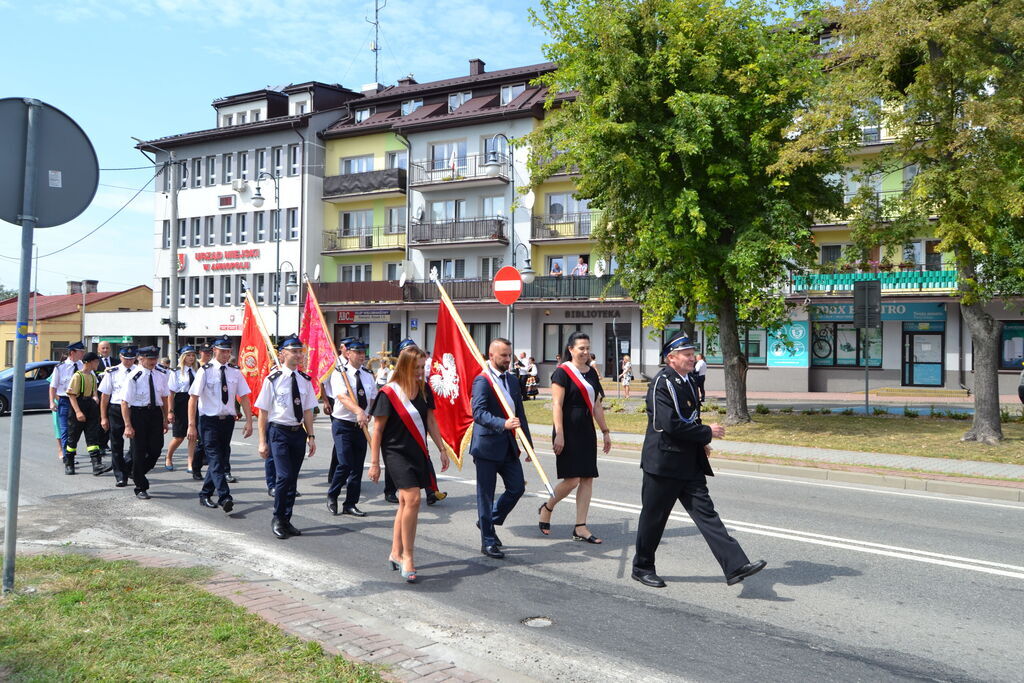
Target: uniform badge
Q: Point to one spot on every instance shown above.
(689, 404)
(297, 402)
(678, 381)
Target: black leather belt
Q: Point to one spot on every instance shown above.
(287, 428)
(145, 407)
(218, 417)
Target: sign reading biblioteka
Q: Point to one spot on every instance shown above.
(231, 259)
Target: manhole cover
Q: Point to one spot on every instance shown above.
(538, 622)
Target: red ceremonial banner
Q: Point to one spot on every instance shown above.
(453, 368)
(255, 358)
(315, 335)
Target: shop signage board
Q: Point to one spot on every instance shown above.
(368, 316)
(794, 355)
(897, 311)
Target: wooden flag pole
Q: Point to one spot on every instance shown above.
(509, 412)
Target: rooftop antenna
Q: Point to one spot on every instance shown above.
(375, 45)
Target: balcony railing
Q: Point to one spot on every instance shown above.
(562, 226)
(379, 237)
(909, 279)
(542, 288)
(468, 289)
(460, 169)
(459, 230)
(373, 291)
(367, 183)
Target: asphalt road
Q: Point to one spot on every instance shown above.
(863, 584)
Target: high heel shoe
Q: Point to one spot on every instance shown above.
(545, 527)
(393, 563)
(409, 576)
(588, 539)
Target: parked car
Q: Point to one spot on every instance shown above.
(37, 386)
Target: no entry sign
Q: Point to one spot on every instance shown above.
(508, 285)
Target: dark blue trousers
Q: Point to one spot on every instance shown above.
(493, 513)
(216, 435)
(350, 441)
(63, 410)
(287, 450)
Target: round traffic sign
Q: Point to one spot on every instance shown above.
(508, 285)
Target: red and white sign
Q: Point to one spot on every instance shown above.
(508, 285)
(215, 260)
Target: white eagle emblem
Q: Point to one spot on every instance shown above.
(444, 378)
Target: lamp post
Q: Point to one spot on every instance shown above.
(257, 201)
(284, 287)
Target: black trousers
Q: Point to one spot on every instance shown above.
(659, 496)
(91, 427)
(216, 435)
(700, 385)
(122, 464)
(148, 423)
(287, 450)
(350, 444)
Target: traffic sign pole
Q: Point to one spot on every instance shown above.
(508, 286)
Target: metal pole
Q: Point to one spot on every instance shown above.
(867, 365)
(35, 307)
(28, 224)
(83, 314)
(172, 337)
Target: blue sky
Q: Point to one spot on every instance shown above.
(149, 68)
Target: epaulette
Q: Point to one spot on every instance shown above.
(113, 369)
(302, 374)
(232, 365)
(160, 369)
(137, 375)
(274, 375)
(208, 366)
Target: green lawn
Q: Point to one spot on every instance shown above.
(923, 435)
(76, 618)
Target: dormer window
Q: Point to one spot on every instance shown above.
(300, 108)
(456, 100)
(364, 113)
(510, 92)
(409, 106)
(226, 120)
(241, 117)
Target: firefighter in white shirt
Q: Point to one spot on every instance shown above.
(112, 388)
(59, 380)
(354, 389)
(145, 408)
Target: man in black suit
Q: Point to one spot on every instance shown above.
(675, 464)
(494, 448)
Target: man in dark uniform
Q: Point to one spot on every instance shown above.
(112, 392)
(145, 409)
(354, 390)
(328, 398)
(675, 464)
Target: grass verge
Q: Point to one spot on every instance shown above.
(932, 437)
(77, 618)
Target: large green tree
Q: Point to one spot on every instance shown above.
(675, 111)
(945, 78)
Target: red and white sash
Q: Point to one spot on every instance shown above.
(585, 387)
(407, 413)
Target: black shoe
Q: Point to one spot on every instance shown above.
(391, 498)
(271, 492)
(291, 530)
(207, 502)
(120, 484)
(354, 511)
(648, 579)
(69, 469)
(142, 495)
(230, 478)
(435, 496)
(278, 527)
(746, 570)
(332, 505)
(297, 494)
(497, 541)
(492, 551)
(102, 470)
(228, 505)
(198, 476)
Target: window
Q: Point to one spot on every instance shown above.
(923, 253)
(211, 171)
(753, 344)
(182, 233)
(294, 160)
(562, 203)
(292, 281)
(392, 271)
(300, 108)
(482, 333)
(510, 92)
(830, 253)
(211, 231)
(227, 166)
(241, 117)
(292, 224)
(165, 292)
(226, 120)
(243, 165)
(243, 228)
(489, 266)
(495, 144)
(259, 226)
(357, 164)
(1012, 347)
(254, 115)
(493, 206)
(225, 290)
(842, 344)
(456, 100)
(197, 232)
(277, 155)
(166, 175)
(353, 223)
(557, 334)
(275, 225)
(450, 155)
(364, 113)
(225, 228)
(275, 288)
(259, 285)
(447, 210)
(261, 161)
(167, 235)
(197, 173)
(209, 282)
(397, 159)
(193, 290)
(241, 286)
(449, 269)
(181, 291)
(409, 106)
(357, 273)
(395, 219)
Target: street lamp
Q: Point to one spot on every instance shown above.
(257, 201)
(284, 287)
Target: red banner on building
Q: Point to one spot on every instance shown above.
(256, 357)
(453, 367)
(314, 333)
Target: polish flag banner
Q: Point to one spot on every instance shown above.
(256, 357)
(316, 337)
(453, 367)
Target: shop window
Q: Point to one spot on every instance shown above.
(843, 345)
(556, 335)
(1011, 356)
(753, 344)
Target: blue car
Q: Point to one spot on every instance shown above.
(37, 386)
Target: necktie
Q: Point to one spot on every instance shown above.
(152, 392)
(296, 399)
(360, 392)
(191, 378)
(504, 380)
(224, 385)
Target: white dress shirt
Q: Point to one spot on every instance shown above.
(61, 376)
(207, 388)
(179, 382)
(357, 378)
(115, 381)
(136, 392)
(276, 396)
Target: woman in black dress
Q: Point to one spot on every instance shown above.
(576, 395)
(403, 416)
(179, 383)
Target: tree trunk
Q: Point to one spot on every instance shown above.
(985, 333)
(735, 364)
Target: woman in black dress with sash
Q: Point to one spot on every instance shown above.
(576, 395)
(403, 417)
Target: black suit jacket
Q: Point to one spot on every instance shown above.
(674, 447)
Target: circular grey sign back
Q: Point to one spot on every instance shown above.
(67, 171)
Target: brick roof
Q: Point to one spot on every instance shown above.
(53, 306)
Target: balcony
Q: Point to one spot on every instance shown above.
(878, 202)
(378, 238)
(441, 233)
(464, 171)
(469, 289)
(541, 289)
(351, 187)
(564, 226)
(917, 279)
(374, 291)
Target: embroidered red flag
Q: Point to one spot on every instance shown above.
(452, 369)
(256, 357)
(320, 356)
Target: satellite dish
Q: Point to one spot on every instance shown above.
(316, 273)
(419, 214)
(401, 279)
(600, 268)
